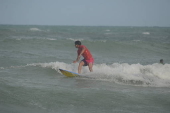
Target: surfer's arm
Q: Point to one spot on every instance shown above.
(82, 51)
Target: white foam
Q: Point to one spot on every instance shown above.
(57, 65)
(90, 40)
(72, 39)
(156, 75)
(98, 41)
(146, 33)
(51, 39)
(2, 68)
(35, 29)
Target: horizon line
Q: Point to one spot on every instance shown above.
(83, 25)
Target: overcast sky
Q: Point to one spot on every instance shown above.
(86, 12)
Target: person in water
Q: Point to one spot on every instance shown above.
(88, 58)
(162, 61)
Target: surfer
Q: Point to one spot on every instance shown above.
(88, 58)
(161, 61)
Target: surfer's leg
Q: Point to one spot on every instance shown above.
(90, 66)
(80, 66)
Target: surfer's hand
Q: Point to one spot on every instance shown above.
(74, 61)
(78, 57)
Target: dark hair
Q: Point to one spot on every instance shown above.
(161, 60)
(77, 43)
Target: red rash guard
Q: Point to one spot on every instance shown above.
(87, 55)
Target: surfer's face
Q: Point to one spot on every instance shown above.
(76, 46)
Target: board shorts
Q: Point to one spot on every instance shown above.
(86, 62)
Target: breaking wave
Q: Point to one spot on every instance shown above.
(154, 75)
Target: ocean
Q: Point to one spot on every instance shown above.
(127, 76)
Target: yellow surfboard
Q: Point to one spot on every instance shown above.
(69, 73)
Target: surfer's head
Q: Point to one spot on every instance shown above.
(161, 61)
(77, 44)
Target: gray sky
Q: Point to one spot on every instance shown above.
(86, 12)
